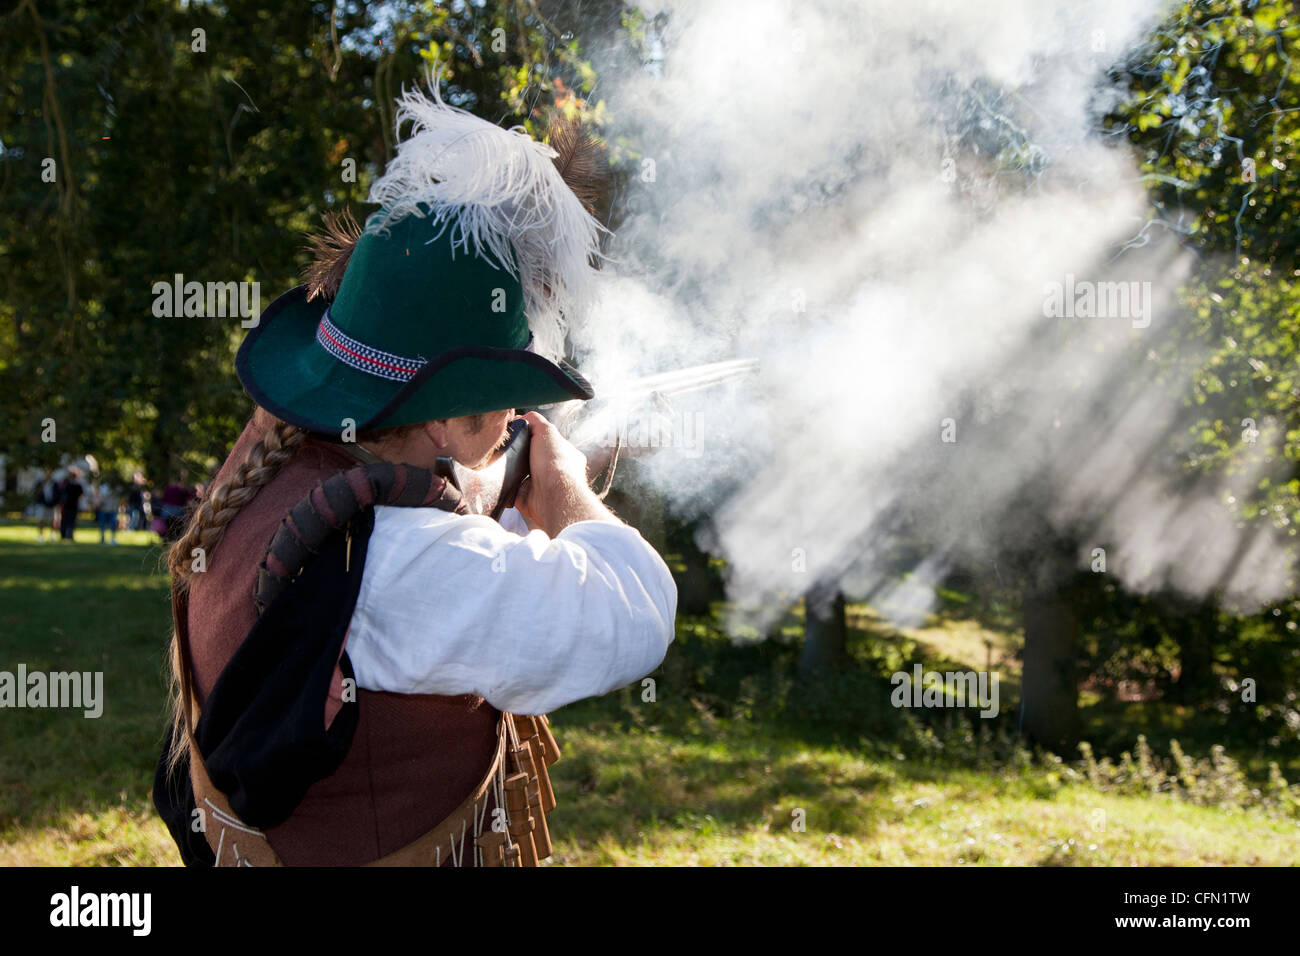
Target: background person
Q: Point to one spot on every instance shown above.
(71, 492)
(135, 509)
(45, 499)
(174, 499)
(104, 502)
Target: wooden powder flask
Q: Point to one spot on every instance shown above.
(528, 729)
(548, 739)
(523, 759)
(493, 845)
(521, 823)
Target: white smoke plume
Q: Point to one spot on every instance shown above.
(871, 199)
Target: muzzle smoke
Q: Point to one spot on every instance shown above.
(888, 205)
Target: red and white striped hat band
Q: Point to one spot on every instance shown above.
(367, 358)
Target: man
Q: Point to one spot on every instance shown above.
(343, 692)
(176, 495)
(70, 503)
(135, 502)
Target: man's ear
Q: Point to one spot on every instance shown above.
(437, 432)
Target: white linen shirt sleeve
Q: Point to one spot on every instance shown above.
(453, 604)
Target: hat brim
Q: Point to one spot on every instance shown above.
(286, 371)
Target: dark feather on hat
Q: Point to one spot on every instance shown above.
(581, 160)
(330, 248)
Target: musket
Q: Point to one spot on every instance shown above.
(601, 429)
(607, 422)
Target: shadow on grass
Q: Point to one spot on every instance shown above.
(81, 607)
(618, 784)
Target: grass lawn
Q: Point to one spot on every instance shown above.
(716, 770)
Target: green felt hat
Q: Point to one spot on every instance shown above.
(453, 296)
(417, 331)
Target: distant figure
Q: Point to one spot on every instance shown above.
(70, 503)
(135, 503)
(46, 499)
(174, 499)
(104, 502)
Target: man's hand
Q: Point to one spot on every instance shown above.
(555, 495)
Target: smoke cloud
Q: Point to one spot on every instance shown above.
(876, 201)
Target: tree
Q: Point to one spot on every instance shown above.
(205, 140)
(1209, 114)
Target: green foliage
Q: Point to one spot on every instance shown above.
(1216, 781)
(1208, 115)
(210, 163)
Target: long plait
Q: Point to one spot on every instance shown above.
(207, 526)
(219, 507)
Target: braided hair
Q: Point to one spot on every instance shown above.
(205, 528)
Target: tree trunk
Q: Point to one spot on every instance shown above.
(160, 467)
(1049, 693)
(1196, 657)
(825, 643)
(698, 584)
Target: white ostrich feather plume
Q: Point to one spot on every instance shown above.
(500, 195)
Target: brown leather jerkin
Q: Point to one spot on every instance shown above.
(413, 758)
(458, 831)
(445, 842)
